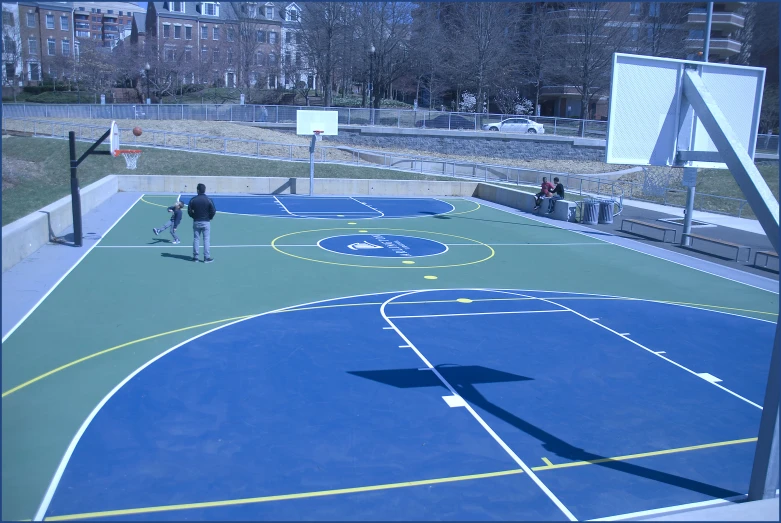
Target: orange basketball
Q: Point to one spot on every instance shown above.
(137, 131)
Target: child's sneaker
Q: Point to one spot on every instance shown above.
(175, 242)
(195, 258)
(208, 260)
(156, 231)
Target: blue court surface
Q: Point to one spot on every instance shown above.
(327, 207)
(463, 404)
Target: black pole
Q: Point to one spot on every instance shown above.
(75, 196)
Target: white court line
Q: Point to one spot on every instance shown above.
(369, 206)
(38, 303)
(630, 340)
(595, 244)
(172, 246)
(491, 205)
(474, 314)
(477, 417)
(283, 206)
(699, 504)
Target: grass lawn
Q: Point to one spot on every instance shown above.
(36, 172)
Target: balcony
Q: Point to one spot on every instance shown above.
(720, 22)
(718, 46)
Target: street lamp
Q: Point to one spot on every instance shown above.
(147, 68)
(371, 83)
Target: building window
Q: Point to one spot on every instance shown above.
(97, 10)
(170, 54)
(298, 38)
(292, 15)
(188, 32)
(204, 32)
(49, 21)
(10, 70)
(9, 45)
(269, 12)
(204, 54)
(66, 48)
(64, 25)
(8, 18)
(634, 8)
(298, 59)
(177, 32)
(272, 37)
(230, 56)
(30, 19)
(51, 46)
(216, 33)
(634, 34)
(210, 9)
(35, 71)
(177, 7)
(653, 9)
(272, 58)
(120, 13)
(216, 54)
(259, 58)
(188, 54)
(166, 30)
(261, 35)
(289, 37)
(230, 34)
(32, 45)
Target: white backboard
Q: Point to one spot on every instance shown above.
(113, 138)
(309, 121)
(650, 120)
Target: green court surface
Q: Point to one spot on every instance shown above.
(136, 295)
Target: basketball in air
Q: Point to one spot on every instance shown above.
(137, 131)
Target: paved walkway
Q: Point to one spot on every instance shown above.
(743, 224)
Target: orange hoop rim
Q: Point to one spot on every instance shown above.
(127, 151)
(318, 132)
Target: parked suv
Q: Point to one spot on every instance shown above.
(516, 125)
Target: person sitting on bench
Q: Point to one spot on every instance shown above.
(557, 194)
(547, 187)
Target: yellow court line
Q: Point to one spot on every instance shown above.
(85, 358)
(156, 204)
(547, 462)
(386, 486)
(274, 246)
(659, 301)
(460, 212)
(294, 309)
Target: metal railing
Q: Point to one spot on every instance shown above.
(429, 166)
(676, 197)
(286, 114)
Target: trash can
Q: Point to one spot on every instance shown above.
(590, 213)
(606, 211)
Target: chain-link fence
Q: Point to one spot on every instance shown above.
(286, 114)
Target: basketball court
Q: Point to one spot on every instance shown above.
(377, 358)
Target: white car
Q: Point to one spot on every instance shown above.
(516, 125)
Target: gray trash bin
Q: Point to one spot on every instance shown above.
(606, 211)
(590, 212)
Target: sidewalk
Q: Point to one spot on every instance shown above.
(743, 224)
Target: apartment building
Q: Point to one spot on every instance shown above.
(294, 66)
(47, 39)
(726, 22)
(109, 22)
(12, 45)
(222, 43)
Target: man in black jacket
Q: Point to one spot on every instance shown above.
(201, 209)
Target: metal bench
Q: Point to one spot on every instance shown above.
(632, 223)
(720, 242)
(767, 255)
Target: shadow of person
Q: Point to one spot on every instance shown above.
(177, 256)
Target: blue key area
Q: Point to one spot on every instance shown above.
(337, 208)
(382, 245)
(326, 413)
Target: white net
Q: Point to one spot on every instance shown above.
(656, 181)
(131, 158)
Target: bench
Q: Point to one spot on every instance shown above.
(767, 255)
(720, 242)
(563, 210)
(662, 228)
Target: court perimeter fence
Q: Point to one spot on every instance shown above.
(580, 184)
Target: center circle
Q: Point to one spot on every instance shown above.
(382, 245)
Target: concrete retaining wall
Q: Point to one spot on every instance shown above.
(26, 235)
(331, 186)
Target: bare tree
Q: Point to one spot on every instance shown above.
(12, 53)
(591, 33)
(536, 48)
(428, 46)
(93, 69)
(664, 29)
(249, 27)
(321, 24)
(480, 34)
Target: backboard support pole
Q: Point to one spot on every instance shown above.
(764, 474)
(312, 164)
(78, 236)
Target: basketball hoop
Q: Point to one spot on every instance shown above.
(130, 155)
(318, 135)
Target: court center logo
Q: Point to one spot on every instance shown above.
(382, 245)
